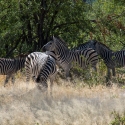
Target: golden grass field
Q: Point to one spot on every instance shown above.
(69, 105)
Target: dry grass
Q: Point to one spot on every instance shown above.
(68, 106)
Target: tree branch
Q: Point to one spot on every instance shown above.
(64, 24)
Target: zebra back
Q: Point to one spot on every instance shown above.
(87, 50)
(9, 66)
(84, 45)
(86, 57)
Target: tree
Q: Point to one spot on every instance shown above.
(27, 25)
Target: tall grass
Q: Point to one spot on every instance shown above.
(68, 106)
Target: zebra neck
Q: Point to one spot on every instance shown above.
(62, 54)
(105, 54)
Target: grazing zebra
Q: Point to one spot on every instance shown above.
(41, 67)
(9, 67)
(65, 56)
(111, 59)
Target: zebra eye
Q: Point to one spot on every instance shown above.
(50, 43)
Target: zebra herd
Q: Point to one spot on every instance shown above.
(43, 65)
(66, 56)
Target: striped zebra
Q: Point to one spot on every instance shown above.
(9, 67)
(41, 67)
(65, 56)
(111, 59)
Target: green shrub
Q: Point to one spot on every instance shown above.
(118, 119)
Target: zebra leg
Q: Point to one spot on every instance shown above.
(108, 75)
(113, 72)
(52, 78)
(28, 70)
(7, 79)
(51, 86)
(13, 79)
(68, 78)
(66, 73)
(94, 68)
(28, 74)
(67, 70)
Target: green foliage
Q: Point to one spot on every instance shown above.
(27, 25)
(118, 119)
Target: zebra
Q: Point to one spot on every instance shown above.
(41, 67)
(111, 59)
(9, 67)
(65, 56)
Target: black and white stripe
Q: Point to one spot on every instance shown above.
(83, 46)
(9, 67)
(93, 60)
(41, 67)
(65, 56)
(111, 59)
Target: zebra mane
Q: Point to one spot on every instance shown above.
(83, 44)
(100, 43)
(62, 41)
(105, 46)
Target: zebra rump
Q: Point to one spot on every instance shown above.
(41, 67)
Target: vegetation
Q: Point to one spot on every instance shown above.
(118, 119)
(69, 105)
(27, 25)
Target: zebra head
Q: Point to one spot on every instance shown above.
(50, 46)
(92, 44)
(101, 48)
(55, 45)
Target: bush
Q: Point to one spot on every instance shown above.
(118, 119)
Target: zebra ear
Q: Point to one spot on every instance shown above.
(54, 38)
(94, 42)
